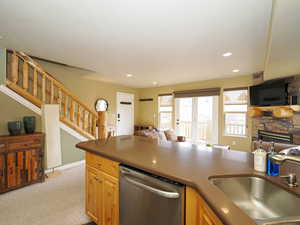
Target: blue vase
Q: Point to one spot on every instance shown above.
(14, 128)
(29, 124)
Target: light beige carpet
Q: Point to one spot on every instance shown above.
(58, 201)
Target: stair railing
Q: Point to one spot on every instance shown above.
(28, 79)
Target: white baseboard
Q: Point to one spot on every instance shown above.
(18, 98)
(64, 167)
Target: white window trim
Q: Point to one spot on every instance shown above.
(159, 112)
(246, 114)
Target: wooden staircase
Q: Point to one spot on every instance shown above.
(25, 77)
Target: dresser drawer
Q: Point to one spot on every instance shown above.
(22, 144)
(2, 147)
(108, 166)
(94, 161)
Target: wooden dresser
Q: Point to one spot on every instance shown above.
(21, 161)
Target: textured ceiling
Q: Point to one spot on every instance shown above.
(170, 41)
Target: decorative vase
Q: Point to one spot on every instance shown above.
(14, 128)
(29, 124)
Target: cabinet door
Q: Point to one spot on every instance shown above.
(35, 170)
(2, 172)
(110, 200)
(94, 195)
(20, 168)
(197, 211)
(192, 207)
(207, 217)
(27, 166)
(11, 170)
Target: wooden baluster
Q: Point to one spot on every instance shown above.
(91, 123)
(94, 126)
(84, 119)
(88, 122)
(35, 82)
(59, 99)
(65, 105)
(72, 111)
(43, 87)
(51, 92)
(25, 75)
(78, 115)
(14, 68)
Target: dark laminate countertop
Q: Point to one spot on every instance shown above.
(185, 163)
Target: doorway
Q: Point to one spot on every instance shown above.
(125, 113)
(197, 119)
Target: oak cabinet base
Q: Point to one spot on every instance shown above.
(102, 190)
(197, 211)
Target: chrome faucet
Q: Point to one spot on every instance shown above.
(279, 159)
(291, 178)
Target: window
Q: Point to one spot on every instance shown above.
(165, 110)
(235, 112)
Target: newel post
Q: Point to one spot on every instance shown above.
(102, 115)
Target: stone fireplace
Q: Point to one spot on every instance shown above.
(281, 125)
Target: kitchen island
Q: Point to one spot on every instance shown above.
(182, 162)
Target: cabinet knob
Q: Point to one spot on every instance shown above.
(97, 179)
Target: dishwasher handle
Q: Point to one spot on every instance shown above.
(165, 194)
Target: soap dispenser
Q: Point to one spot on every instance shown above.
(260, 156)
(272, 168)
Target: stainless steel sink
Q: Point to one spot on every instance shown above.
(263, 201)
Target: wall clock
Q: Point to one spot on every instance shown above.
(101, 105)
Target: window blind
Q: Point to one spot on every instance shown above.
(165, 94)
(236, 89)
(197, 93)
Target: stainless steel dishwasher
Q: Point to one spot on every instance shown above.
(147, 199)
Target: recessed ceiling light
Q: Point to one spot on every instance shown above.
(1, 37)
(236, 70)
(226, 54)
(154, 83)
(128, 75)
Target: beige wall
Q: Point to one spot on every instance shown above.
(148, 111)
(68, 150)
(89, 90)
(13, 111)
(2, 65)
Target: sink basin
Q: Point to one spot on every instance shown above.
(282, 222)
(261, 200)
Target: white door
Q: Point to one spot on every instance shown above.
(197, 119)
(184, 117)
(125, 113)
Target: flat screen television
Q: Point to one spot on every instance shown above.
(270, 93)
